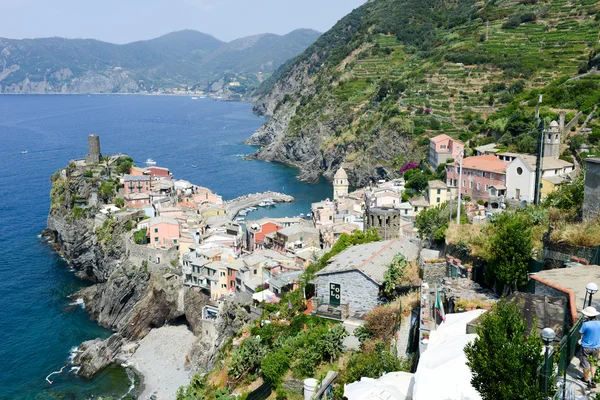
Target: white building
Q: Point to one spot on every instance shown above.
(520, 175)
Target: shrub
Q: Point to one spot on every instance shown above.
(140, 237)
(275, 365)
(380, 322)
(120, 202)
(246, 359)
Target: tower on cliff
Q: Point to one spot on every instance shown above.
(340, 184)
(95, 155)
(552, 140)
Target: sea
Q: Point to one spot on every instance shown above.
(200, 140)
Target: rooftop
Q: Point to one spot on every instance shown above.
(484, 163)
(161, 220)
(371, 259)
(136, 178)
(573, 280)
(440, 138)
(547, 164)
(437, 184)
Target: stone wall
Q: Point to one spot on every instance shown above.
(591, 201)
(434, 272)
(358, 291)
(554, 255)
(157, 259)
(387, 222)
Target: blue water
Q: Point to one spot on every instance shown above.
(39, 327)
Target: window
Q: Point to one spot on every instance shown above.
(330, 217)
(155, 230)
(439, 191)
(478, 186)
(491, 175)
(519, 171)
(231, 284)
(416, 209)
(175, 241)
(438, 199)
(471, 184)
(464, 183)
(483, 174)
(223, 286)
(405, 212)
(222, 273)
(255, 271)
(486, 187)
(156, 239)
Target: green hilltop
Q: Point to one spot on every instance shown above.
(393, 73)
(184, 59)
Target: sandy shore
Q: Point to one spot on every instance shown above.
(160, 359)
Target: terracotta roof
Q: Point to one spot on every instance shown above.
(484, 163)
(441, 137)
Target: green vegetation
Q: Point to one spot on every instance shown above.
(503, 360)
(140, 237)
(120, 202)
(432, 223)
(394, 274)
(106, 191)
(395, 72)
(124, 165)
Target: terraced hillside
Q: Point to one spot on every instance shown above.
(394, 72)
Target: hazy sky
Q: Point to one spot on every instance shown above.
(122, 21)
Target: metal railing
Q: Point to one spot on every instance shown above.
(562, 354)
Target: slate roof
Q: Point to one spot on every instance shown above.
(136, 178)
(160, 220)
(371, 259)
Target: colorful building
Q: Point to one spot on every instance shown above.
(136, 184)
(442, 148)
(163, 232)
(256, 232)
(479, 174)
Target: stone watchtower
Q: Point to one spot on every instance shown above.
(95, 155)
(552, 140)
(340, 184)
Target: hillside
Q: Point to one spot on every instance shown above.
(177, 60)
(393, 73)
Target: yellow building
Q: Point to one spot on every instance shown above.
(438, 193)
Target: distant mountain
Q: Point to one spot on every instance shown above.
(185, 59)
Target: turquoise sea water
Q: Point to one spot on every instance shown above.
(39, 324)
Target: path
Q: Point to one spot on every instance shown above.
(233, 207)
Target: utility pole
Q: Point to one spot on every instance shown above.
(540, 154)
(461, 156)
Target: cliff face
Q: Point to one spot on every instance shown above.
(127, 298)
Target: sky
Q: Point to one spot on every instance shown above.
(123, 21)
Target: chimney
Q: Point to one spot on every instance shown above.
(561, 121)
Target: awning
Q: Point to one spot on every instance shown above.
(266, 296)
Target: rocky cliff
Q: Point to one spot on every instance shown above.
(126, 298)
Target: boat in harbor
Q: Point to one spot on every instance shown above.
(252, 209)
(242, 213)
(240, 219)
(194, 166)
(150, 162)
(194, 98)
(24, 152)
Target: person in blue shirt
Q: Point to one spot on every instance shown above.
(589, 338)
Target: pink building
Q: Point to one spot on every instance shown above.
(158, 173)
(442, 148)
(137, 200)
(480, 173)
(163, 232)
(136, 184)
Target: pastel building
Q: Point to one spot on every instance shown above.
(136, 184)
(438, 193)
(442, 148)
(480, 174)
(163, 232)
(257, 231)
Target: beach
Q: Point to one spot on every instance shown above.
(160, 359)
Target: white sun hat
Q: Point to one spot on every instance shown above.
(590, 312)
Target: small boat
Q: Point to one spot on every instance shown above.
(301, 215)
(252, 208)
(23, 151)
(240, 219)
(242, 213)
(194, 98)
(194, 166)
(150, 162)
(263, 204)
